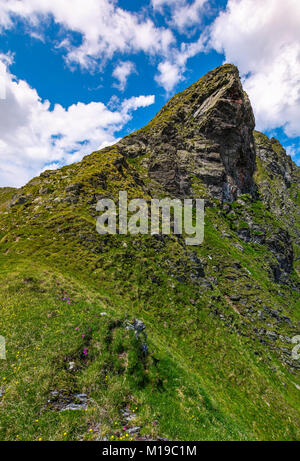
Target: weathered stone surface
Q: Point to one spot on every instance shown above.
(205, 131)
(63, 400)
(74, 188)
(18, 200)
(278, 181)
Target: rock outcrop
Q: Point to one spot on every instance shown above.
(205, 134)
(278, 179)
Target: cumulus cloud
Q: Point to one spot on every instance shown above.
(184, 15)
(105, 28)
(32, 135)
(122, 72)
(169, 75)
(188, 15)
(293, 151)
(158, 4)
(263, 39)
(6, 60)
(171, 71)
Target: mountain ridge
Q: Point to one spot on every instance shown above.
(219, 318)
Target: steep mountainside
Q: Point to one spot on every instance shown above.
(216, 360)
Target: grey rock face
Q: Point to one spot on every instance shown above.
(271, 335)
(139, 328)
(18, 200)
(74, 188)
(278, 180)
(62, 401)
(204, 133)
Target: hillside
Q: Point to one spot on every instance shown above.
(215, 362)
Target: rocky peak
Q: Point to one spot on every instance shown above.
(205, 134)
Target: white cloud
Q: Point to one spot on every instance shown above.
(184, 14)
(188, 15)
(135, 103)
(6, 59)
(105, 28)
(292, 150)
(122, 72)
(263, 39)
(171, 71)
(32, 135)
(169, 75)
(160, 4)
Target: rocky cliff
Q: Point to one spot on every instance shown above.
(207, 132)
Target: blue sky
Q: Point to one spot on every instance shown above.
(80, 74)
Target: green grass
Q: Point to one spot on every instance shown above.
(197, 386)
(201, 381)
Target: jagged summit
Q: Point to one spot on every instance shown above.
(207, 131)
(200, 145)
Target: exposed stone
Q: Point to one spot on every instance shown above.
(18, 200)
(45, 191)
(206, 131)
(63, 401)
(133, 430)
(139, 328)
(74, 188)
(271, 335)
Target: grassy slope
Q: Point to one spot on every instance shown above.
(201, 380)
(202, 387)
(6, 194)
